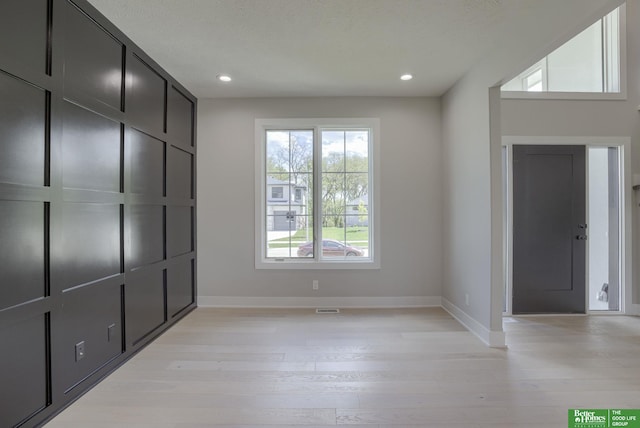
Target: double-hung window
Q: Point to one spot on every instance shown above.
(316, 193)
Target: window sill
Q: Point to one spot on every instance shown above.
(318, 265)
(587, 96)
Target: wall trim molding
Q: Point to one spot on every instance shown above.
(493, 339)
(319, 302)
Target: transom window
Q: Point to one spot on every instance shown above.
(327, 169)
(588, 63)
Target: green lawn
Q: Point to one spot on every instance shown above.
(358, 235)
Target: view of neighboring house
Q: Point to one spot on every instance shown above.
(357, 211)
(286, 205)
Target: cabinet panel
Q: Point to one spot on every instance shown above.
(147, 164)
(179, 286)
(23, 31)
(146, 100)
(180, 117)
(91, 317)
(147, 235)
(22, 252)
(93, 59)
(22, 132)
(179, 173)
(23, 378)
(91, 150)
(179, 231)
(144, 297)
(91, 242)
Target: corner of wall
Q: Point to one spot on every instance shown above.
(492, 338)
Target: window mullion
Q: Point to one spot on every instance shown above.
(289, 179)
(344, 188)
(603, 54)
(265, 197)
(317, 194)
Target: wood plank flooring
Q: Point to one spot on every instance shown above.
(366, 368)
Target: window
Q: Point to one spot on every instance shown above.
(277, 192)
(328, 165)
(588, 63)
(533, 82)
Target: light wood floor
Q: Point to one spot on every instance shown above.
(367, 368)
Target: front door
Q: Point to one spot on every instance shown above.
(549, 229)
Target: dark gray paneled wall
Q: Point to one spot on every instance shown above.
(97, 203)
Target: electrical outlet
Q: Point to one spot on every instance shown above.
(111, 332)
(466, 299)
(79, 351)
(315, 284)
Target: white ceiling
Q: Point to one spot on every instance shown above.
(281, 48)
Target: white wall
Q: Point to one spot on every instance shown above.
(472, 163)
(411, 200)
(467, 244)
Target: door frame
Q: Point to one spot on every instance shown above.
(624, 146)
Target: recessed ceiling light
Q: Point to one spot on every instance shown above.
(223, 78)
(406, 77)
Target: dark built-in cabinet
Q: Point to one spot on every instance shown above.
(97, 203)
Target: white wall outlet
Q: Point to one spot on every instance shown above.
(466, 299)
(315, 284)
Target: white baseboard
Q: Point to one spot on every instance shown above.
(318, 302)
(632, 309)
(493, 339)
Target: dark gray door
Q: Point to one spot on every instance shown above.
(549, 230)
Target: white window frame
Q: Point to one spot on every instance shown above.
(316, 124)
(556, 95)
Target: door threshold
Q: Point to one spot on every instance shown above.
(606, 313)
(550, 314)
